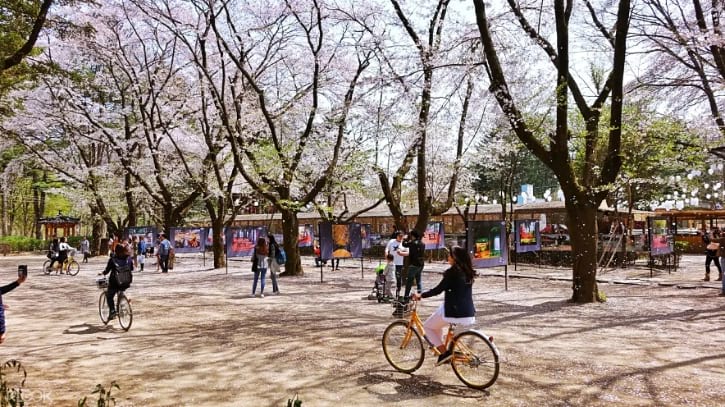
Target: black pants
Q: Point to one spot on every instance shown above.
(164, 261)
(110, 293)
(85, 257)
(709, 259)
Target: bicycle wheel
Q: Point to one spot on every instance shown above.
(103, 308)
(46, 266)
(403, 347)
(125, 315)
(73, 268)
(474, 361)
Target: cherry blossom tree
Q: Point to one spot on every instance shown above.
(585, 186)
(283, 78)
(683, 53)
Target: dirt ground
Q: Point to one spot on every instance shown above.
(198, 339)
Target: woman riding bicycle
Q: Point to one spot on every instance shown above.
(119, 259)
(457, 308)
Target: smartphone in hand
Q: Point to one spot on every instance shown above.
(22, 271)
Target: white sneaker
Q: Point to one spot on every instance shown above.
(261, 295)
(252, 295)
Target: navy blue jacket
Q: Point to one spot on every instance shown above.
(458, 300)
(4, 290)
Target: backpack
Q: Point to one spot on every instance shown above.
(281, 256)
(122, 273)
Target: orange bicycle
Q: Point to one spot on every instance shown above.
(475, 358)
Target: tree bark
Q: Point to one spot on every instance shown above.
(217, 228)
(583, 233)
(290, 223)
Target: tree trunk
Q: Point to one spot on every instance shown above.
(293, 267)
(38, 204)
(217, 228)
(98, 230)
(582, 222)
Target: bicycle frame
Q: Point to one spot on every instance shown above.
(416, 323)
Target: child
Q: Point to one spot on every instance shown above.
(389, 274)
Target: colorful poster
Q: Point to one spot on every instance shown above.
(660, 236)
(305, 237)
(433, 237)
(188, 240)
(209, 237)
(366, 235)
(354, 241)
(487, 243)
(240, 241)
(527, 235)
(326, 245)
(142, 232)
(340, 240)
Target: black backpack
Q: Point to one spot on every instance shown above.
(122, 273)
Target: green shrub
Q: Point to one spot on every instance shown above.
(24, 244)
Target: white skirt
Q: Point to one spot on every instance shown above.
(457, 321)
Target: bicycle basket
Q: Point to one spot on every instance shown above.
(401, 309)
(102, 283)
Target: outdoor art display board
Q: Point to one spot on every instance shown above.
(366, 232)
(209, 237)
(660, 236)
(433, 237)
(240, 241)
(487, 243)
(305, 236)
(142, 232)
(527, 235)
(188, 240)
(340, 240)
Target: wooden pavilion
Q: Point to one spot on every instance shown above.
(69, 226)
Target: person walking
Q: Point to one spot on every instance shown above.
(392, 248)
(416, 257)
(259, 265)
(141, 253)
(272, 261)
(711, 251)
(164, 251)
(4, 290)
(85, 249)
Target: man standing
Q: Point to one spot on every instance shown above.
(393, 246)
(141, 254)
(164, 250)
(416, 256)
(85, 249)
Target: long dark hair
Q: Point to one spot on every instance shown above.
(463, 261)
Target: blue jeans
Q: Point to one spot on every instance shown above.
(414, 272)
(263, 273)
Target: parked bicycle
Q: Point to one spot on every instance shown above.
(124, 313)
(69, 266)
(475, 358)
